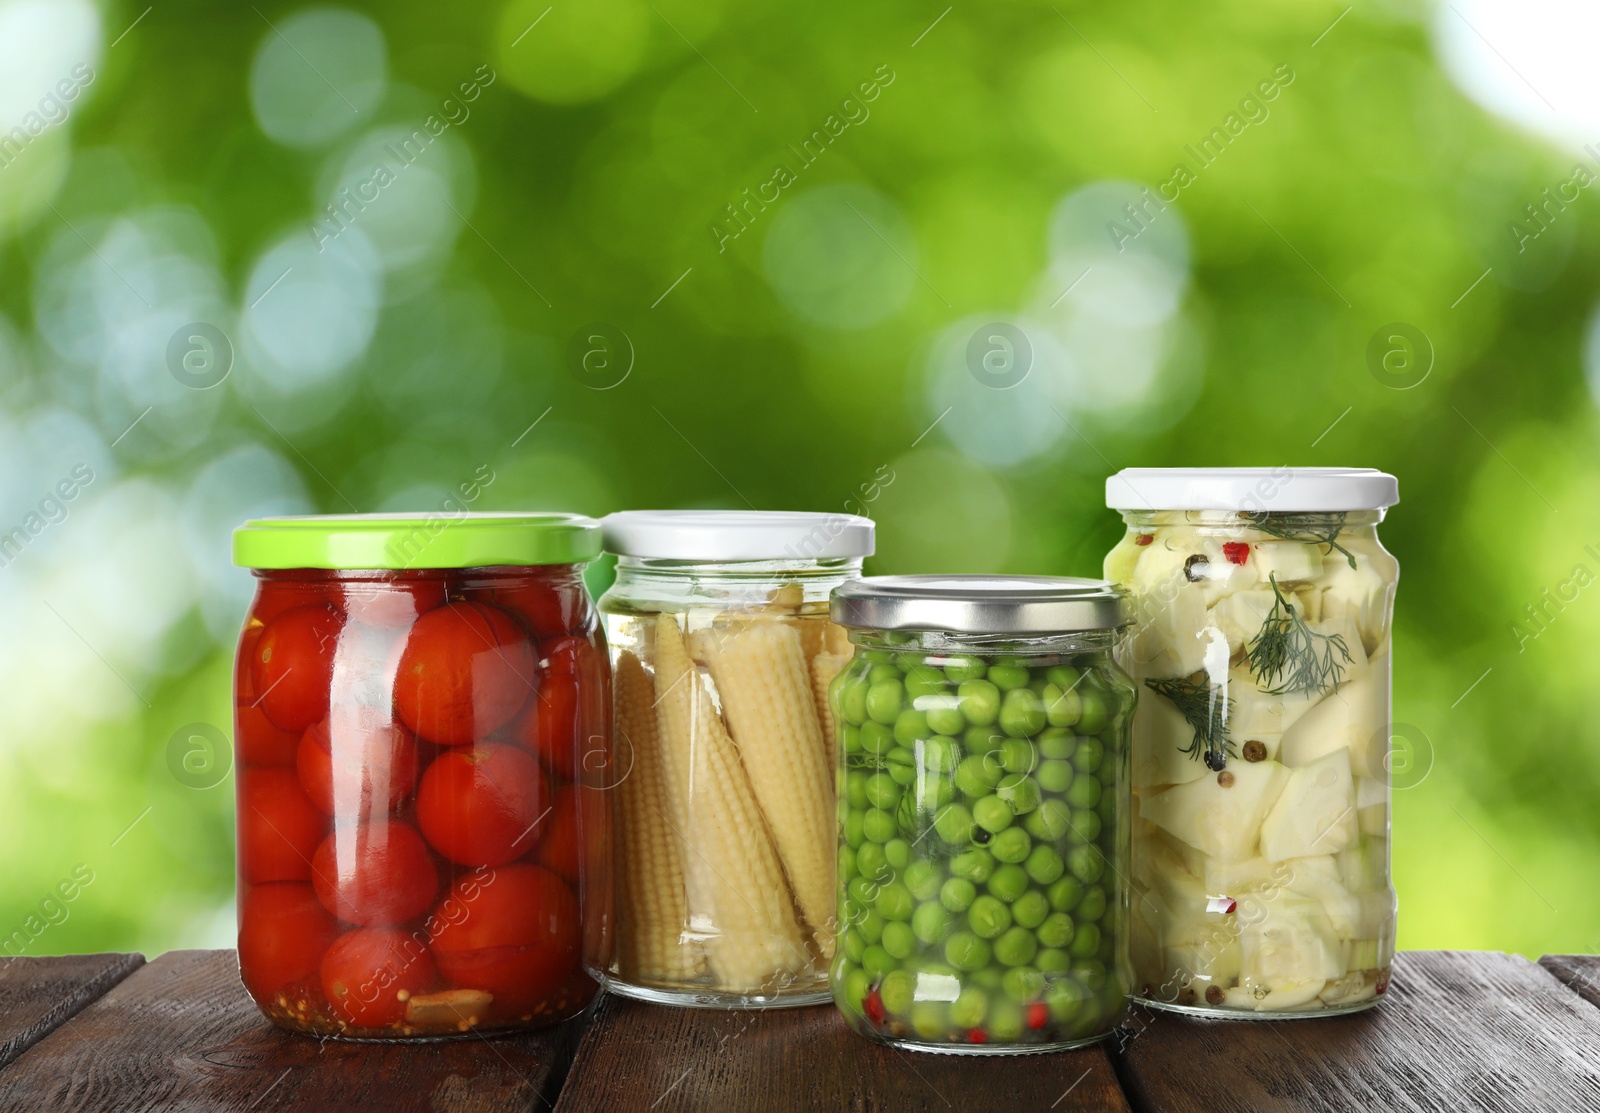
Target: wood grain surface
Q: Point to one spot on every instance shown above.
(1579, 973)
(181, 1034)
(1457, 1031)
(638, 1057)
(38, 995)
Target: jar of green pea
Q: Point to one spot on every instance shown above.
(983, 812)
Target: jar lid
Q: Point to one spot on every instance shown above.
(1252, 490)
(397, 541)
(718, 535)
(979, 604)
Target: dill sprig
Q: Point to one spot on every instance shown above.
(1287, 656)
(1323, 529)
(1206, 708)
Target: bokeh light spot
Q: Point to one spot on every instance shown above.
(571, 53)
(315, 74)
(840, 256)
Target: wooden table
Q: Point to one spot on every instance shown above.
(1458, 1031)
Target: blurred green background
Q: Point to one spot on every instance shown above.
(787, 224)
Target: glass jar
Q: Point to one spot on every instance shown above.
(417, 703)
(983, 813)
(722, 653)
(1260, 748)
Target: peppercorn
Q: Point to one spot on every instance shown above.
(1216, 760)
(1255, 751)
(1194, 569)
(1225, 779)
(1214, 995)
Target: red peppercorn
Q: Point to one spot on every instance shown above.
(1038, 1015)
(1237, 552)
(872, 1005)
(1144, 538)
(977, 1035)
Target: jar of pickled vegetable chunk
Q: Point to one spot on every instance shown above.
(1261, 745)
(722, 653)
(983, 817)
(419, 705)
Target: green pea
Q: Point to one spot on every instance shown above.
(1016, 948)
(855, 788)
(852, 945)
(980, 702)
(981, 740)
(1022, 983)
(898, 990)
(850, 696)
(1031, 909)
(909, 726)
(1084, 792)
(901, 765)
(941, 754)
(930, 921)
(954, 824)
(876, 656)
(879, 825)
(1057, 930)
(1086, 863)
(847, 863)
(975, 864)
(1008, 677)
(1062, 706)
(1085, 827)
(923, 878)
(1065, 895)
(946, 718)
(1065, 999)
(1011, 845)
(989, 916)
(923, 680)
(870, 925)
(898, 939)
(898, 853)
(957, 894)
(969, 1009)
(882, 792)
(1008, 883)
(1091, 972)
(930, 1019)
(1057, 744)
(1021, 712)
(1052, 960)
(974, 777)
(1107, 808)
(885, 698)
(1020, 791)
(856, 987)
(876, 738)
(1086, 758)
(882, 670)
(1044, 865)
(894, 902)
(850, 738)
(1056, 776)
(1092, 906)
(1095, 715)
(937, 791)
(877, 962)
(965, 951)
(863, 890)
(1107, 774)
(1018, 755)
(1049, 821)
(1006, 1020)
(1085, 941)
(872, 864)
(963, 668)
(992, 814)
(853, 835)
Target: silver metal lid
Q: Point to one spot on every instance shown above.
(979, 604)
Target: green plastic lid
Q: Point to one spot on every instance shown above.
(397, 541)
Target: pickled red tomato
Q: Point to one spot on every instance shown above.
(518, 941)
(467, 668)
(259, 741)
(357, 768)
(273, 597)
(292, 665)
(279, 827)
(369, 974)
(392, 603)
(549, 727)
(374, 873)
(283, 932)
(546, 609)
(478, 805)
(559, 849)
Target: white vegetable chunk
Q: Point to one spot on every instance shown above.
(1352, 719)
(1221, 822)
(1315, 813)
(1162, 732)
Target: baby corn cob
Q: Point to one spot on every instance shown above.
(655, 908)
(837, 639)
(760, 672)
(753, 940)
(824, 667)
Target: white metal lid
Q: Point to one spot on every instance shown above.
(1252, 490)
(718, 535)
(979, 604)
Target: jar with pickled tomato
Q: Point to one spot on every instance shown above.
(418, 704)
(724, 787)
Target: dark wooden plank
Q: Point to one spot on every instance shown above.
(1456, 1031)
(647, 1057)
(181, 1034)
(38, 995)
(1579, 973)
